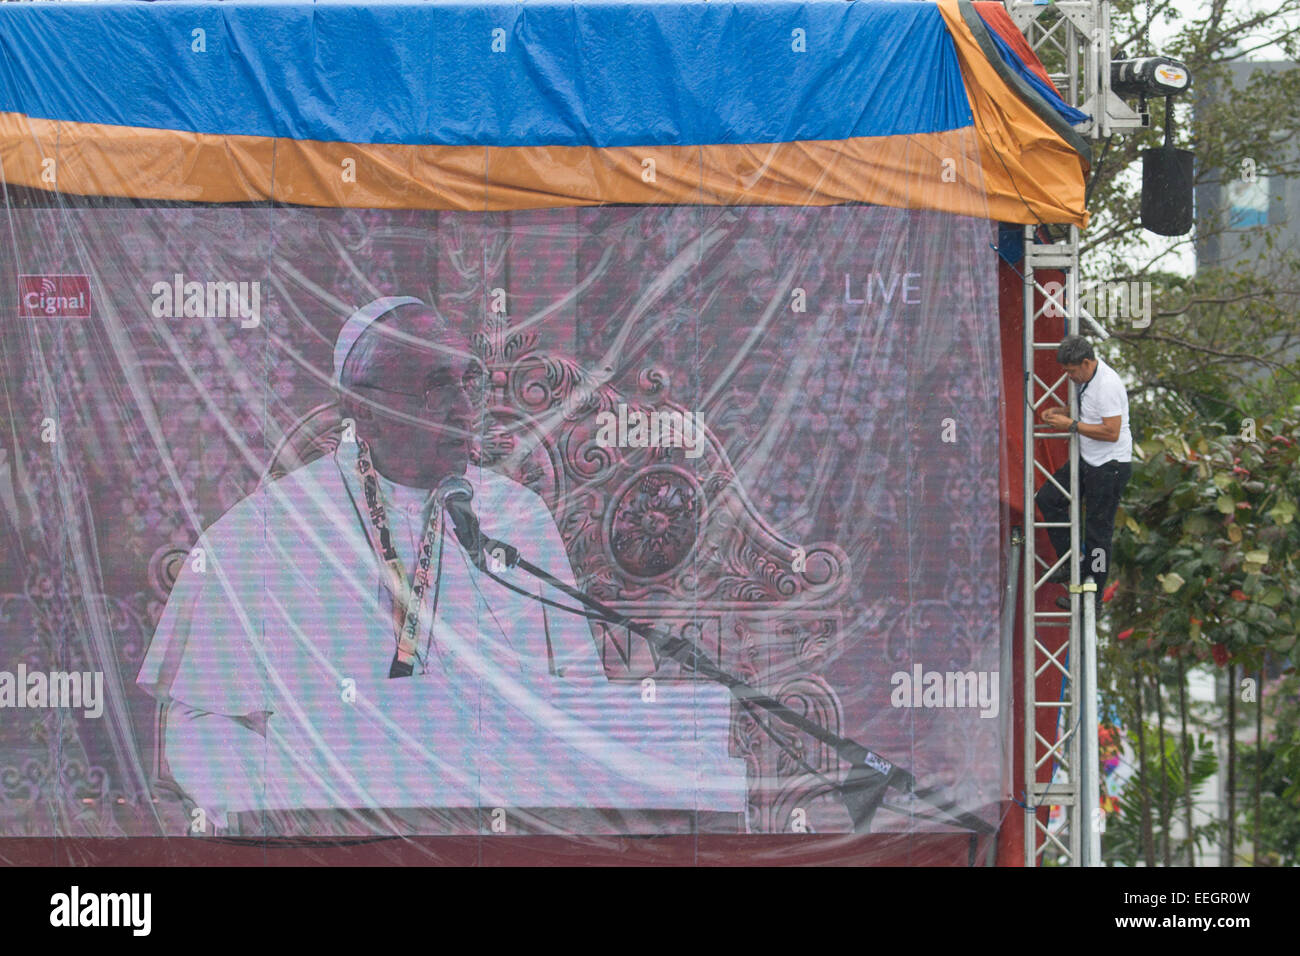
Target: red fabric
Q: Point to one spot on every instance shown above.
(1051, 455)
(809, 849)
(995, 17)
(1011, 313)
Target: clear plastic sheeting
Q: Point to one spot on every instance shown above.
(820, 518)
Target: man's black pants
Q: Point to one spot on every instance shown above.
(1102, 487)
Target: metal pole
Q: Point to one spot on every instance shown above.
(1070, 713)
(1005, 663)
(1090, 769)
(1030, 564)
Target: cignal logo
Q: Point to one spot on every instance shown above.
(54, 296)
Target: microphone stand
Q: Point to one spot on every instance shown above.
(869, 777)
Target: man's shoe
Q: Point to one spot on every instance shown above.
(1060, 576)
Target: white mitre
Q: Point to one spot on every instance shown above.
(358, 322)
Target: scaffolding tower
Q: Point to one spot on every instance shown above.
(1072, 39)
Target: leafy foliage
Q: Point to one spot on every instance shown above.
(1208, 546)
(1122, 841)
(1279, 764)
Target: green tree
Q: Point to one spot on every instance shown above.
(1207, 559)
(1222, 344)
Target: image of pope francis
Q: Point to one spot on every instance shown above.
(337, 649)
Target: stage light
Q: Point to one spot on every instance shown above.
(1167, 173)
(1149, 76)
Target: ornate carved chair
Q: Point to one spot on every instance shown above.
(663, 538)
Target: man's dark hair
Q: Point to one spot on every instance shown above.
(1073, 350)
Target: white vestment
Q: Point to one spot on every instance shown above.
(275, 658)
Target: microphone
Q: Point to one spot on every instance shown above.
(453, 486)
(455, 493)
(870, 776)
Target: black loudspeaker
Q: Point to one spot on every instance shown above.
(1167, 191)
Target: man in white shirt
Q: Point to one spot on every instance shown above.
(1105, 456)
(337, 649)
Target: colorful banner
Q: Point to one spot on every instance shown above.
(502, 106)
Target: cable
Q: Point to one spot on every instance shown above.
(945, 807)
(749, 707)
(604, 619)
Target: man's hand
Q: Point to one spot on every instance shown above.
(1108, 430)
(1057, 418)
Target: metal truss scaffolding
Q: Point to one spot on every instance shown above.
(1073, 41)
